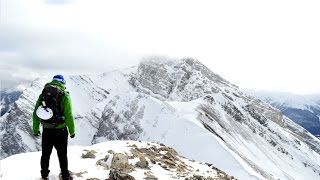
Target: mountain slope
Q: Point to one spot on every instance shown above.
(304, 110)
(7, 98)
(184, 105)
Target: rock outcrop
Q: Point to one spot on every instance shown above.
(148, 161)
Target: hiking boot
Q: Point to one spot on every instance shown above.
(65, 178)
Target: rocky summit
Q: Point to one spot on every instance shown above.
(119, 160)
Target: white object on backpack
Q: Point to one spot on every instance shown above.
(44, 113)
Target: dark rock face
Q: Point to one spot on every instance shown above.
(130, 116)
(16, 126)
(173, 80)
(157, 78)
(12, 141)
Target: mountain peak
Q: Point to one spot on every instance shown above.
(184, 79)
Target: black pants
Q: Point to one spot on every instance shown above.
(57, 138)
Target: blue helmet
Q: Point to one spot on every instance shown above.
(59, 78)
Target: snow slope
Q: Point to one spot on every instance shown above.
(183, 104)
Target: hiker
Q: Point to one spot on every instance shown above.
(55, 101)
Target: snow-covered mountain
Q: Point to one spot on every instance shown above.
(7, 98)
(302, 109)
(183, 104)
(129, 160)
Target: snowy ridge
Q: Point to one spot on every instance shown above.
(97, 161)
(183, 104)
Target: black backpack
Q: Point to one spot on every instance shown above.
(52, 95)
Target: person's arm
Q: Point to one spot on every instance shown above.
(36, 119)
(67, 111)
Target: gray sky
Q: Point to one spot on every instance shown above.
(266, 45)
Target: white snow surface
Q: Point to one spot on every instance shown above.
(26, 166)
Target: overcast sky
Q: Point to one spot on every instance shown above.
(265, 45)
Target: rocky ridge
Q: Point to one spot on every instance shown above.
(125, 160)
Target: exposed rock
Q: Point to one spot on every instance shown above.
(103, 162)
(173, 79)
(110, 151)
(119, 175)
(89, 154)
(119, 167)
(198, 177)
(149, 176)
(79, 174)
(153, 161)
(120, 162)
(142, 163)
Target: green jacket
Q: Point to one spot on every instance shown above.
(67, 111)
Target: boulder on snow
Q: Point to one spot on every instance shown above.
(120, 162)
(142, 163)
(149, 176)
(119, 175)
(89, 154)
(103, 162)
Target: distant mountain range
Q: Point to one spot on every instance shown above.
(184, 105)
(304, 110)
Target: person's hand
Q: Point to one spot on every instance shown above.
(37, 134)
(72, 135)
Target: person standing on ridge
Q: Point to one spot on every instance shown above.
(54, 111)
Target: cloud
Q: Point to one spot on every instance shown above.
(250, 43)
(27, 54)
(58, 2)
(12, 74)
(39, 38)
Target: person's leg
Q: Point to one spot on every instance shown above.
(61, 145)
(47, 145)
